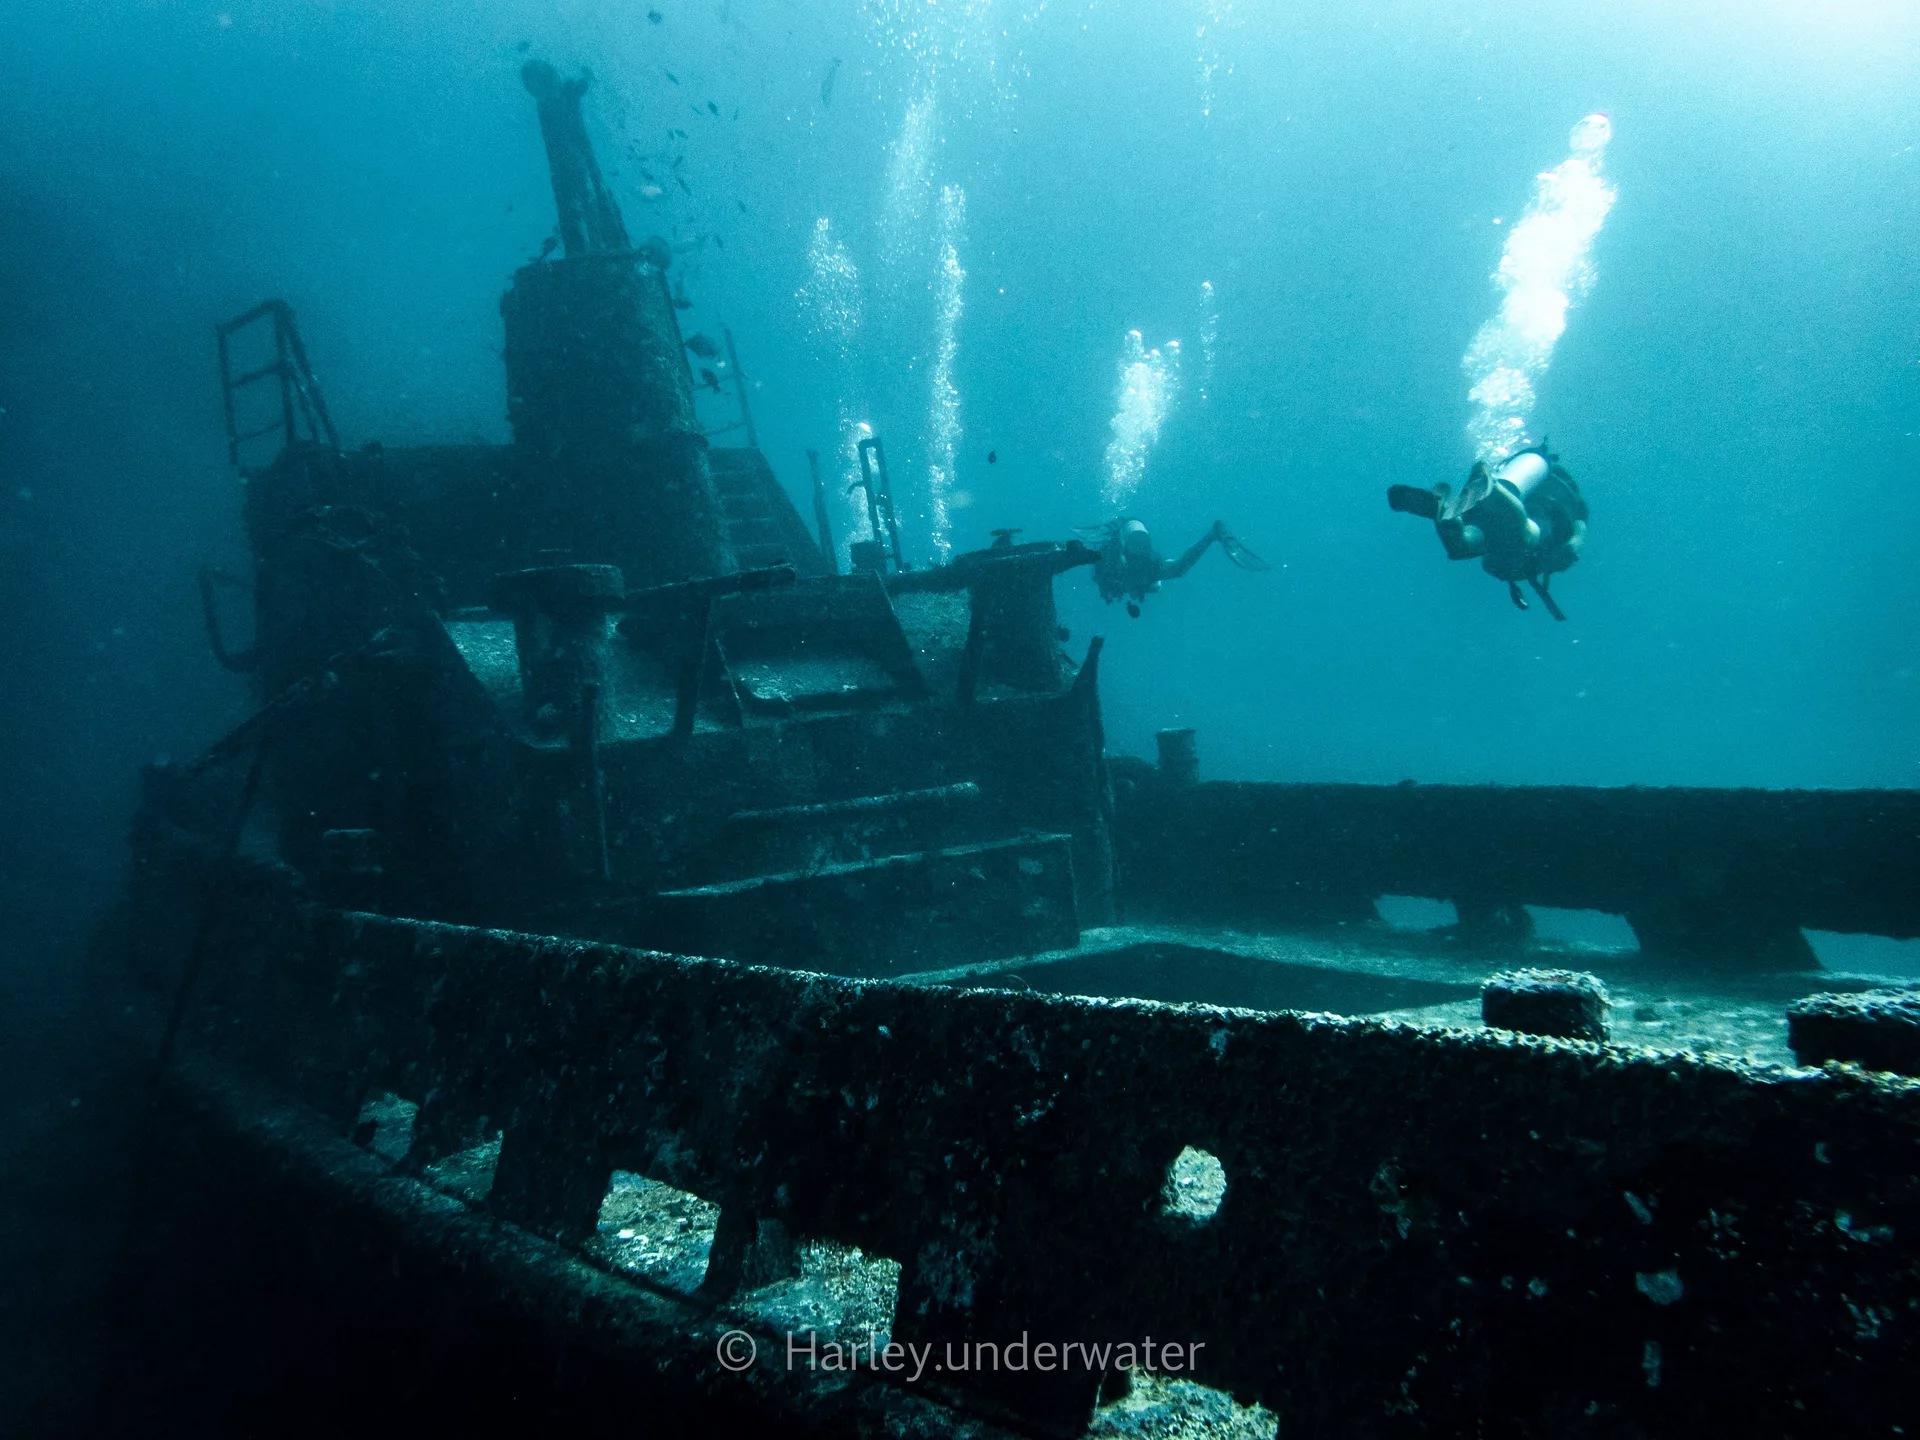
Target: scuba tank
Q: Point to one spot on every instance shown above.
(1523, 471)
(1555, 520)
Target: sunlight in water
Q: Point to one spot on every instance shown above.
(1149, 380)
(943, 413)
(1543, 270)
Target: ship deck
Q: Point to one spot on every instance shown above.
(1430, 979)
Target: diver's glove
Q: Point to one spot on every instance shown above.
(1478, 487)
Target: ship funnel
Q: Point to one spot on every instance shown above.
(590, 222)
(599, 392)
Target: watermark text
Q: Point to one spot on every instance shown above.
(912, 1361)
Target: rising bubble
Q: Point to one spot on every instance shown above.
(1544, 269)
(1149, 379)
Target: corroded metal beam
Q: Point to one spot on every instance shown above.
(1715, 876)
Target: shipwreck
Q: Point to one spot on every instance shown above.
(618, 936)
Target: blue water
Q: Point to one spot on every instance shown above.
(1297, 209)
(1738, 392)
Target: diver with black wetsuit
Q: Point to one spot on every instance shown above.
(1523, 519)
(1129, 566)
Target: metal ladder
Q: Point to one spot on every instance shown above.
(302, 412)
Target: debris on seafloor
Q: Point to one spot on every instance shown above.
(1562, 1003)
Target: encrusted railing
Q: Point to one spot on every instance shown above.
(1418, 1229)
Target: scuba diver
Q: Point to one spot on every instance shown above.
(1126, 564)
(1523, 519)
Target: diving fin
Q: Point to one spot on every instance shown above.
(1411, 500)
(1240, 555)
(1546, 595)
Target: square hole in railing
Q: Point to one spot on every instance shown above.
(1582, 929)
(1416, 912)
(1195, 1185)
(841, 1294)
(1866, 954)
(653, 1230)
(385, 1126)
(466, 1174)
(1164, 1407)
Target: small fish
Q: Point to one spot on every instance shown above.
(681, 180)
(743, 206)
(713, 109)
(680, 302)
(549, 245)
(736, 112)
(656, 17)
(710, 380)
(651, 192)
(677, 135)
(523, 47)
(718, 243)
(694, 108)
(992, 456)
(702, 346)
(671, 76)
(826, 85)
